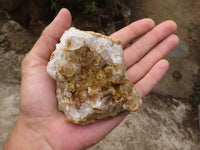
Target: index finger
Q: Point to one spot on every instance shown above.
(51, 35)
(134, 30)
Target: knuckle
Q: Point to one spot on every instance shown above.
(25, 62)
(45, 32)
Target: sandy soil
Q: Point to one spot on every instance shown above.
(166, 119)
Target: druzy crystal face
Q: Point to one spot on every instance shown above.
(90, 75)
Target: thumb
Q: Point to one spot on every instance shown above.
(51, 35)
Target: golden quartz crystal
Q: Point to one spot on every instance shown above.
(91, 78)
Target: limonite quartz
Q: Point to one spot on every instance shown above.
(91, 78)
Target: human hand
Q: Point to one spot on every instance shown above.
(41, 126)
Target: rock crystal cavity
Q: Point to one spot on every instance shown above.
(91, 78)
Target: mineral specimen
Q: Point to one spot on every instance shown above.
(91, 78)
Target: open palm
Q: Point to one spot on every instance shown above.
(38, 106)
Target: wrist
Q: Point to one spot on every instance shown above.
(23, 137)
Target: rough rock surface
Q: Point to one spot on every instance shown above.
(91, 77)
(9, 109)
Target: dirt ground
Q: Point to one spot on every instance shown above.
(165, 121)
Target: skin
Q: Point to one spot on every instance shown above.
(41, 126)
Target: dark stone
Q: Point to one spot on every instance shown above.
(10, 5)
(176, 75)
(87, 22)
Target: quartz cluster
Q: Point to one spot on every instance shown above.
(91, 78)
